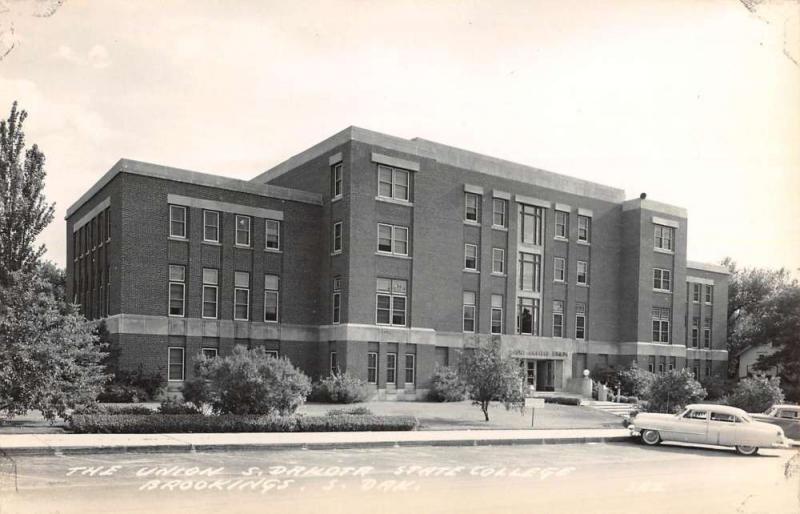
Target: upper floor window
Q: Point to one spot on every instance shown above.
(664, 237)
(391, 302)
(530, 265)
(177, 290)
(559, 269)
(211, 226)
(695, 332)
(472, 207)
(528, 316)
(498, 260)
(241, 295)
(583, 273)
(709, 294)
(392, 183)
(469, 311)
(662, 279)
(108, 224)
(273, 235)
(558, 318)
(336, 181)
(336, 238)
(661, 320)
(336, 301)
(532, 221)
(242, 230)
(210, 292)
(707, 333)
(392, 239)
(177, 221)
(584, 228)
(580, 321)
(497, 314)
(562, 224)
(271, 290)
(471, 257)
(500, 213)
(696, 291)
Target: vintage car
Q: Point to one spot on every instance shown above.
(785, 416)
(719, 425)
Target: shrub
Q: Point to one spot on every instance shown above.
(341, 388)
(113, 410)
(120, 393)
(634, 381)
(196, 392)
(606, 375)
(446, 385)
(716, 387)
(350, 423)
(355, 411)
(128, 386)
(673, 390)
(562, 400)
(175, 407)
(756, 394)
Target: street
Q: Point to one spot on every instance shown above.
(615, 477)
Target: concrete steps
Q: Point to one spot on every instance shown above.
(618, 409)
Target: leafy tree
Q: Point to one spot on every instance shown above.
(756, 394)
(341, 388)
(634, 381)
(24, 212)
(447, 385)
(673, 390)
(50, 358)
(491, 376)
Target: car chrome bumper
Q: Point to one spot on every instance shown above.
(783, 444)
(634, 431)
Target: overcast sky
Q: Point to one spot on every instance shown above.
(696, 102)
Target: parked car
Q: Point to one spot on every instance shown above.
(719, 425)
(785, 416)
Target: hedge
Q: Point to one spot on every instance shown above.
(562, 400)
(183, 423)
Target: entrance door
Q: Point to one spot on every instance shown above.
(530, 373)
(545, 375)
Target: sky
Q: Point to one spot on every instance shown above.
(695, 102)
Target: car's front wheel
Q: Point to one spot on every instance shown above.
(651, 437)
(746, 450)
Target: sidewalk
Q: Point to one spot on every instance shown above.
(50, 444)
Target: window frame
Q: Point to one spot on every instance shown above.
(580, 321)
(536, 216)
(206, 226)
(697, 292)
(277, 234)
(659, 322)
(207, 349)
(391, 371)
(412, 369)
(558, 314)
(277, 293)
(707, 326)
(503, 213)
(238, 231)
(563, 269)
(477, 198)
(236, 303)
(564, 226)
(392, 296)
(372, 366)
(336, 239)
(466, 257)
(660, 239)
(182, 284)
(215, 286)
(184, 222)
(336, 181)
(536, 307)
(495, 260)
(587, 230)
(660, 277)
(393, 183)
(336, 308)
(469, 307)
(170, 364)
(585, 281)
(496, 309)
(534, 260)
(393, 239)
(708, 297)
(333, 362)
(695, 332)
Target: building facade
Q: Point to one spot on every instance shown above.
(383, 257)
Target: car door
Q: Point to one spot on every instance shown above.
(721, 429)
(789, 421)
(694, 426)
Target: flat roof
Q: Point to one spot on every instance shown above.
(707, 266)
(147, 169)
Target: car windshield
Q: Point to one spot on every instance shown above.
(771, 411)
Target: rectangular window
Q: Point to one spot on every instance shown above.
(209, 353)
(580, 321)
(498, 260)
(584, 228)
(391, 302)
(336, 238)
(661, 319)
(101, 227)
(272, 353)
(333, 362)
(528, 316)
(177, 221)
(273, 235)
(532, 221)
(559, 269)
(391, 368)
(336, 303)
(709, 294)
(708, 368)
(696, 288)
(210, 293)
(583, 273)
(177, 290)
(695, 332)
(242, 230)
(211, 226)
(707, 333)
(411, 368)
(530, 269)
(499, 212)
(372, 367)
(558, 318)
(562, 224)
(175, 364)
(497, 314)
(271, 297)
(662, 279)
(392, 183)
(469, 311)
(241, 295)
(472, 207)
(470, 257)
(663, 237)
(392, 239)
(108, 224)
(336, 181)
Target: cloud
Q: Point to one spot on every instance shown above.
(97, 57)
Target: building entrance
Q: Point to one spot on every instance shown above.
(539, 373)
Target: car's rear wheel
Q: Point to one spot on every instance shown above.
(651, 437)
(746, 450)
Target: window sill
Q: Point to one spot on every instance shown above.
(396, 256)
(273, 250)
(582, 285)
(563, 239)
(212, 243)
(556, 281)
(662, 291)
(472, 223)
(336, 199)
(390, 325)
(336, 253)
(214, 318)
(240, 319)
(468, 270)
(271, 322)
(395, 201)
(243, 247)
(663, 250)
(584, 243)
(496, 274)
(500, 228)
(175, 238)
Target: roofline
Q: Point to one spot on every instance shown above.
(652, 205)
(147, 169)
(451, 156)
(707, 266)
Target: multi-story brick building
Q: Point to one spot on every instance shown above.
(384, 256)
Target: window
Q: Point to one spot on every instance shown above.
(273, 236)
(695, 332)
(336, 301)
(177, 290)
(411, 366)
(558, 318)
(209, 353)
(497, 314)
(707, 333)
(562, 222)
(271, 293)
(272, 353)
(708, 368)
(661, 318)
(242, 230)
(696, 370)
(392, 183)
(583, 273)
(333, 363)
(724, 418)
(211, 226)
(584, 228)
(663, 237)
(391, 302)
(696, 414)
(532, 220)
(580, 321)
(498, 261)
(499, 212)
(696, 292)
(177, 221)
(391, 368)
(662, 279)
(175, 364)
(528, 316)
(559, 269)
(469, 311)
(336, 240)
(530, 272)
(241, 295)
(470, 257)
(101, 227)
(372, 367)
(471, 207)
(108, 224)
(210, 293)
(336, 181)
(672, 364)
(392, 239)
(709, 294)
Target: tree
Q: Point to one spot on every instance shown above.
(673, 390)
(634, 381)
(756, 394)
(491, 376)
(24, 212)
(447, 385)
(50, 358)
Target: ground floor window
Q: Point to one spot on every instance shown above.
(661, 318)
(175, 364)
(411, 365)
(497, 314)
(558, 318)
(528, 316)
(209, 353)
(334, 363)
(580, 321)
(372, 367)
(391, 368)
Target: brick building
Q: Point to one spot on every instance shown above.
(383, 256)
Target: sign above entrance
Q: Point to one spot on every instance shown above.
(539, 354)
